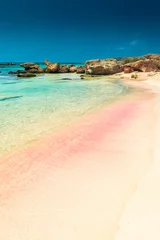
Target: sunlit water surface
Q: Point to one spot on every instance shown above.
(31, 108)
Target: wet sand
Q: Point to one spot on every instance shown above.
(79, 184)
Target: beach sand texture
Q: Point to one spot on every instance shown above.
(94, 181)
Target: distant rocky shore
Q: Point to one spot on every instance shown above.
(147, 63)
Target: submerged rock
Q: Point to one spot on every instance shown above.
(17, 72)
(7, 64)
(102, 67)
(52, 67)
(26, 75)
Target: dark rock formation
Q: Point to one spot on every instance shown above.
(66, 79)
(7, 64)
(12, 73)
(52, 67)
(26, 75)
(17, 72)
(102, 67)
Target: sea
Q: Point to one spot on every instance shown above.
(31, 108)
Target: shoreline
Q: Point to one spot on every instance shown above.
(77, 187)
(95, 179)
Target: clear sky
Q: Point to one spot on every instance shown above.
(74, 31)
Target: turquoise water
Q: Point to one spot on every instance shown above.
(31, 108)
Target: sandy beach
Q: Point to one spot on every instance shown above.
(96, 180)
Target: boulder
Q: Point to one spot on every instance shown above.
(29, 65)
(128, 70)
(34, 70)
(52, 67)
(147, 65)
(80, 69)
(102, 67)
(73, 69)
(64, 69)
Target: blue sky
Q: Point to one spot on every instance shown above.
(69, 31)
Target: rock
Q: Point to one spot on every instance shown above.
(52, 67)
(7, 64)
(66, 79)
(135, 76)
(152, 56)
(21, 71)
(12, 73)
(34, 70)
(17, 72)
(73, 69)
(29, 65)
(128, 70)
(151, 74)
(80, 69)
(26, 75)
(147, 65)
(102, 67)
(64, 69)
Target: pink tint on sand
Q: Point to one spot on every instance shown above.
(54, 150)
(74, 185)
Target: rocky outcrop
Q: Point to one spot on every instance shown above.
(102, 67)
(80, 70)
(128, 70)
(32, 68)
(147, 65)
(17, 72)
(29, 65)
(152, 56)
(73, 69)
(64, 69)
(52, 67)
(26, 75)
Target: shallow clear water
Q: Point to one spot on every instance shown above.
(31, 108)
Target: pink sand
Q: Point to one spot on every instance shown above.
(75, 185)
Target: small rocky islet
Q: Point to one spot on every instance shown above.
(147, 63)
